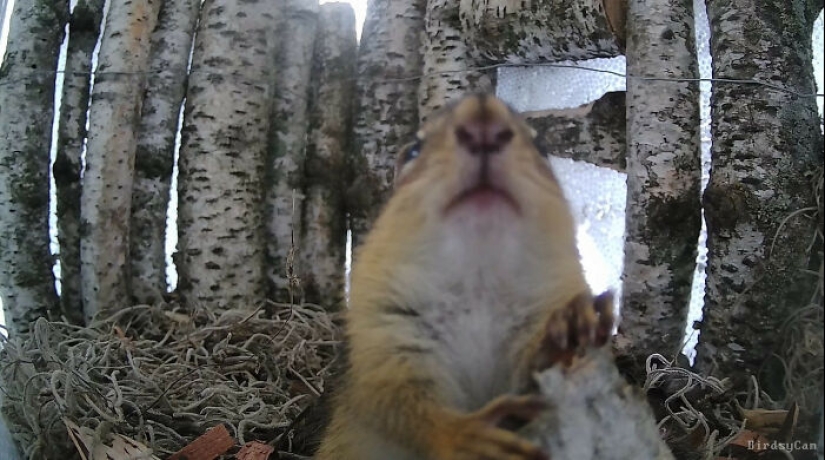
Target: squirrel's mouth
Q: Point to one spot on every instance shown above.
(484, 188)
(483, 196)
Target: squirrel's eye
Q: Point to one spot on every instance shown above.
(412, 152)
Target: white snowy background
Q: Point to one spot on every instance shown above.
(597, 195)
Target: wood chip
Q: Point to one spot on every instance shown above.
(215, 442)
(255, 451)
(763, 420)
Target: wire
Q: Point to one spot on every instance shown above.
(770, 86)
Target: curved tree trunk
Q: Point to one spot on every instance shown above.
(155, 153)
(26, 115)
(663, 216)
(284, 193)
(106, 199)
(447, 61)
(324, 228)
(595, 132)
(84, 31)
(389, 60)
(228, 108)
(519, 32)
(767, 145)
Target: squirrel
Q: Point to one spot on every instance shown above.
(468, 283)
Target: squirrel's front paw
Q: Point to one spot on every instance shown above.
(584, 321)
(476, 436)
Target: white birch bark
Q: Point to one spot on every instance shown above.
(3, 5)
(26, 113)
(221, 164)
(324, 234)
(106, 198)
(389, 60)
(84, 31)
(595, 415)
(526, 32)
(447, 73)
(663, 216)
(594, 132)
(171, 44)
(284, 192)
(767, 145)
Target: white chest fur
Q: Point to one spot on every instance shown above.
(478, 293)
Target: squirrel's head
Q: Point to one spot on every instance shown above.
(477, 156)
(473, 198)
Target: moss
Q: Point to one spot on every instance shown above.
(726, 205)
(674, 223)
(50, 12)
(153, 164)
(30, 187)
(86, 16)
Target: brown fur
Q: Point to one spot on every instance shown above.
(416, 312)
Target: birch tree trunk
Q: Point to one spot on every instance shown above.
(526, 32)
(171, 44)
(663, 216)
(228, 108)
(324, 235)
(26, 114)
(447, 73)
(3, 5)
(84, 31)
(595, 132)
(106, 198)
(767, 145)
(284, 169)
(389, 60)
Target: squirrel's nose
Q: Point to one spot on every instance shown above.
(483, 137)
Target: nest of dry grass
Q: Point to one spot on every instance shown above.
(163, 377)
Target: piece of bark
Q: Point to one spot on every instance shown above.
(287, 152)
(767, 147)
(26, 113)
(84, 31)
(447, 67)
(255, 450)
(537, 31)
(208, 446)
(221, 166)
(106, 198)
(324, 236)
(594, 132)
(386, 115)
(595, 415)
(155, 154)
(663, 213)
(765, 421)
